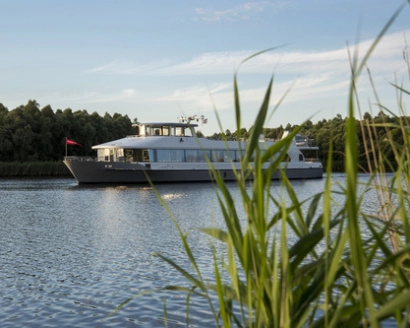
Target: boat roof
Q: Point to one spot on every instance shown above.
(166, 142)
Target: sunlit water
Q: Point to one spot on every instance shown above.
(70, 255)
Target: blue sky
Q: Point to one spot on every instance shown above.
(157, 60)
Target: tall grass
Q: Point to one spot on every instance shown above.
(347, 267)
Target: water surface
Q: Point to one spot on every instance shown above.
(70, 255)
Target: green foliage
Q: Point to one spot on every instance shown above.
(347, 267)
(332, 132)
(28, 133)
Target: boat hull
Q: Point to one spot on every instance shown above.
(93, 172)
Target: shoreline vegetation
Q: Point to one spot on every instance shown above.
(33, 169)
(24, 156)
(30, 136)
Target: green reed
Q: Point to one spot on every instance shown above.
(346, 268)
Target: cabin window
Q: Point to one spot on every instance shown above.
(197, 155)
(310, 154)
(129, 157)
(136, 155)
(166, 155)
(165, 130)
(231, 155)
(179, 131)
(239, 155)
(285, 159)
(105, 155)
(100, 155)
(119, 155)
(163, 155)
(147, 155)
(218, 155)
(178, 155)
(150, 155)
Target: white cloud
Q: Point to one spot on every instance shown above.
(312, 75)
(240, 12)
(125, 95)
(127, 67)
(387, 55)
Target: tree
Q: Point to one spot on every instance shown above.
(3, 110)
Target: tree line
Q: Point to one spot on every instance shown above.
(378, 138)
(28, 133)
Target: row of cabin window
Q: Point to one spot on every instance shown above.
(168, 131)
(179, 155)
(182, 155)
(168, 155)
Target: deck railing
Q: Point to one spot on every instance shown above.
(81, 158)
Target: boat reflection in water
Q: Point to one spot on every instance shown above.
(172, 152)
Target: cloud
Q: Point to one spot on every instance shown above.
(127, 67)
(125, 95)
(311, 76)
(290, 63)
(241, 12)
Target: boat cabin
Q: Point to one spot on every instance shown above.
(176, 146)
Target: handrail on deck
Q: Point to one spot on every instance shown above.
(80, 158)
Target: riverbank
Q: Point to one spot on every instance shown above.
(33, 169)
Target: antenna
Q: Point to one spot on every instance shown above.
(201, 118)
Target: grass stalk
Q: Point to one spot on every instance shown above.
(342, 266)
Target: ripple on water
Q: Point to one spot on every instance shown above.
(70, 255)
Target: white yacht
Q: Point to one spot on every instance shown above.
(171, 152)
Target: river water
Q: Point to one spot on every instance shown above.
(70, 254)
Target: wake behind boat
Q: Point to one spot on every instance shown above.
(171, 152)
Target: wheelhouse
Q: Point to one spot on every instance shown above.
(164, 129)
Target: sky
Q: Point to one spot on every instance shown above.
(159, 60)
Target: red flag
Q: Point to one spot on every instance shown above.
(71, 142)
